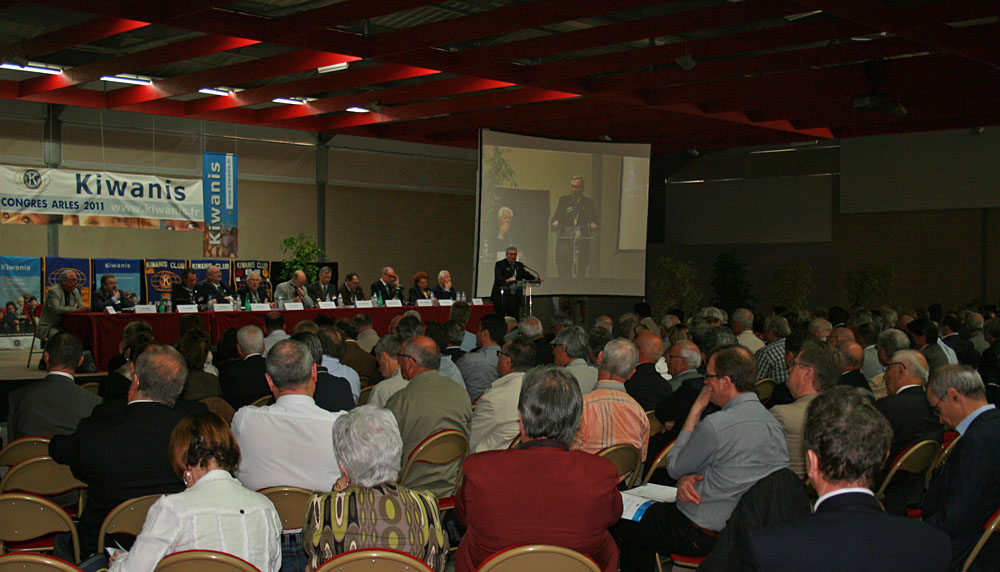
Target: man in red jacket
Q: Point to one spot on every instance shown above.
(542, 493)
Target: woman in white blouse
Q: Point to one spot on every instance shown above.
(215, 512)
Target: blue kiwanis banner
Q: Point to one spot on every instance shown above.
(128, 272)
(218, 174)
(160, 277)
(243, 268)
(20, 275)
(55, 265)
(201, 269)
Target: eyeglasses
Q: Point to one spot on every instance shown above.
(672, 356)
(711, 375)
(796, 363)
(889, 365)
(936, 408)
(404, 355)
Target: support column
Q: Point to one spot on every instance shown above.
(52, 155)
(322, 175)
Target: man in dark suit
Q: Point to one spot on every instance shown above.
(126, 455)
(109, 296)
(912, 421)
(925, 339)
(506, 297)
(444, 289)
(965, 350)
(244, 381)
(854, 358)
(332, 393)
(967, 490)
(847, 441)
(646, 385)
(543, 492)
(185, 291)
(321, 290)
(574, 222)
(213, 288)
(387, 287)
(531, 328)
(252, 293)
(351, 289)
(56, 404)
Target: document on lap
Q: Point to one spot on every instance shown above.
(636, 501)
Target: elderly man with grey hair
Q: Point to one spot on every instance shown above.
(322, 290)
(771, 358)
(610, 415)
(495, 421)
(743, 328)
(244, 381)
(387, 354)
(821, 328)
(444, 289)
(531, 328)
(888, 342)
(124, 455)
(62, 299)
(542, 492)
(213, 288)
(429, 403)
(570, 351)
(294, 290)
(974, 321)
(289, 443)
(967, 490)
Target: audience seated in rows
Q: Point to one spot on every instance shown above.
(437, 332)
(495, 422)
(274, 330)
(243, 382)
(332, 393)
(387, 354)
(479, 366)
(570, 349)
(367, 336)
(647, 386)
(332, 341)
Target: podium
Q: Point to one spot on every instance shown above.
(525, 302)
(573, 249)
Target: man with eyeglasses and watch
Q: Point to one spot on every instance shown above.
(387, 287)
(912, 421)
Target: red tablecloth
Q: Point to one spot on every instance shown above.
(102, 333)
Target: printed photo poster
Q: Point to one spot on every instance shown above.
(160, 277)
(201, 269)
(128, 273)
(20, 276)
(99, 198)
(56, 265)
(243, 268)
(219, 178)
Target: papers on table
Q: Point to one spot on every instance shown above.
(636, 501)
(293, 306)
(261, 307)
(394, 303)
(146, 308)
(326, 305)
(186, 308)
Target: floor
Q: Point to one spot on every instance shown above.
(12, 364)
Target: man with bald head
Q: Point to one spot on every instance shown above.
(212, 288)
(387, 286)
(854, 358)
(840, 335)
(295, 290)
(646, 385)
(683, 361)
(429, 403)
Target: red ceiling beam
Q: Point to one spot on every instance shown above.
(63, 38)
(322, 84)
(129, 63)
(283, 64)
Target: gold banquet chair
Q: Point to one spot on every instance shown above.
(32, 562)
(126, 518)
(539, 557)
(23, 449)
(374, 560)
(291, 504)
(27, 522)
(43, 476)
(628, 461)
(203, 561)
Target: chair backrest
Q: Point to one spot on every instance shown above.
(765, 388)
(628, 461)
(27, 516)
(992, 525)
(365, 394)
(23, 449)
(941, 458)
(291, 504)
(441, 448)
(916, 458)
(126, 518)
(516, 443)
(32, 562)
(92, 386)
(659, 462)
(374, 560)
(220, 407)
(203, 561)
(262, 400)
(539, 557)
(42, 476)
(655, 426)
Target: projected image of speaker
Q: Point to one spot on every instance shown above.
(576, 211)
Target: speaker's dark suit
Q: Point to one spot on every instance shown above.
(387, 292)
(181, 295)
(209, 291)
(912, 421)
(317, 293)
(244, 381)
(848, 532)
(351, 296)
(258, 297)
(967, 490)
(507, 304)
(120, 456)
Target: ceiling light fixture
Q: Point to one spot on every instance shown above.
(686, 61)
(215, 91)
(288, 101)
(32, 67)
(128, 78)
(335, 67)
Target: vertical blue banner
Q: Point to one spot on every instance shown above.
(127, 271)
(20, 275)
(201, 269)
(160, 277)
(219, 174)
(55, 265)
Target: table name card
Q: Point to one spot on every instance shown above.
(327, 305)
(222, 307)
(364, 304)
(145, 308)
(446, 302)
(261, 307)
(425, 302)
(294, 306)
(477, 301)
(186, 308)
(394, 303)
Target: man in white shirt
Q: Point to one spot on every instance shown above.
(290, 442)
(333, 350)
(570, 352)
(387, 354)
(495, 420)
(743, 328)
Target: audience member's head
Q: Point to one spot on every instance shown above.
(530, 327)
(517, 355)
(733, 370)
(456, 332)
(955, 391)
(273, 322)
(367, 444)
(908, 367)
(550, 404)
(250, 340)
(570, 344)
(159, 375)
(823, 365)
(347, 328)
(460, 311)
(203, 440)
(362, 321)
(492, 328)
(618, 360)
(889, 342)
(650, 347)
(64, 352)
(387, 354)
(683, 356)
(820, 328)
(924, 332)
(194, 347)
(305, 326)
(436, 331)
(853, 354)
(596, 340)
(840, 335)
(418, 354)
(332, 341)
(290, 366)
(311, 341)
(846, 439)
(408, 327)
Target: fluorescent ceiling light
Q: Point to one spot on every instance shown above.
(332, 68)
(214, 91)
(128, 78)
(30, 67)
(288, 101)
(356, 109)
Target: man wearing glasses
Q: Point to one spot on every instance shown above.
(387, 287)
(62, 299)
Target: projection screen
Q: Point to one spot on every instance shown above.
(575, 211)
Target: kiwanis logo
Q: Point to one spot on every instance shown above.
(163, 280)
(52, 278)
(32, 179)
